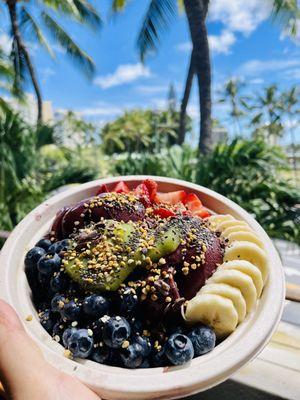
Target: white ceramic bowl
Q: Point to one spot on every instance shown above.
(156, 383)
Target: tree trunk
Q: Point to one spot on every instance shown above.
(185, 100)
(196, 13)
(22, 48)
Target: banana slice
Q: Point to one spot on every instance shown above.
(213, 310)
(247, 268)
(237, 228)
(229, 292)
(250, 252)
(227, 224)
(215, 220)
(243, 236)
(238, 280)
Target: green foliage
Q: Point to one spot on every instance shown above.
(175, 162)
(140, 130)
(249, 173)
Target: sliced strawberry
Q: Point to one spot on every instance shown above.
(102, 189)
(143, 193)
(171, 197)
(203, 213)
(163, 212)
(152, 188)
(121, 187)
(192, 202)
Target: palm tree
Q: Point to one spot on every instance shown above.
(232, 94)
(268, 119)
(290, 107)
(26, 22)
(157, 18)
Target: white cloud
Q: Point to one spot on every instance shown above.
(5, 42)
(147, 89)
(221, 43)
(123, 74)
(47, 73)
(240, 16)
(256, 67)
(218, 43)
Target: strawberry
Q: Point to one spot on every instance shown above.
(121, 187)
(194, 205)
(142, 191)
(152, 188)
(102, 189)
(171, 197)
(163, 212)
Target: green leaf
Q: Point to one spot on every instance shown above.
(157, 19)
(29, 23)
(84, 61)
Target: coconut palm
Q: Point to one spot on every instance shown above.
(158, 17)
(290, 108)
(231, 94)
(268, 118)
(28, 20)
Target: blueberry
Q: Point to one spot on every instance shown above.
(71, 311)
(144, 342)
(47, 320)
(97, 328)
(145, 364)
(102, 354)
(58, 329)
(57, 247)
(95, 306)
(44, 244)
(57, 303)
(132, 356)
(159, 358)
(59, 282)
(203, 339)
(67, 334)
(32, 258)
(179, 349)
(128, 302)
(80, 343)
(136, 325)
(49, 263)
(115, 331)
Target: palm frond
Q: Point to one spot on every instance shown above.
(72, 49)
(287, 13)
(80, 10)
(29, 24)
(20, 69)
(157, 19)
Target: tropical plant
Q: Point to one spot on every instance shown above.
(290, 109)
(27, 20)
(249, 173)
(157, 18)
(138, 130)
(237, 101)
(267, 118)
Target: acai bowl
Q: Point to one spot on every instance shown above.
(202, 268)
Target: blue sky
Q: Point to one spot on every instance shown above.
(244, 41)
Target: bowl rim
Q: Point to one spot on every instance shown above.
(169, 382)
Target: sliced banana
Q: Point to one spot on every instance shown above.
(245, 236)
(247, 268)
(215, 220)
(241, 250)
(239, 280)
(229, 292)
(213, 310)
(237, 228)
(227, 224)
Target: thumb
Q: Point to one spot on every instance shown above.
(24, 372)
